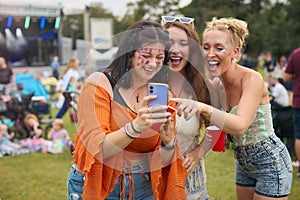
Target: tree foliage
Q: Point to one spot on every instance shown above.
(273, 25)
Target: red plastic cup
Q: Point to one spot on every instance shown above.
(218, 138)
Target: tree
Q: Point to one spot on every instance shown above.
(293, 25)
(153, 9)
(273, 25)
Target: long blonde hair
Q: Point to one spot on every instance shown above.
(72, 64)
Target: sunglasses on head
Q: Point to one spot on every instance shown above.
(184, 20)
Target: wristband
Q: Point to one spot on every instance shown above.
(168, 148)
(129, 134)
(134, 129)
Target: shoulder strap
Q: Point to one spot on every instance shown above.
(117, 96)
(110, 79)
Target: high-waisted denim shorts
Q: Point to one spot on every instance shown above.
(267, 166)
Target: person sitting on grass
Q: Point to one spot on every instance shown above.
(34, 142)
(7, 147)
(59, 137)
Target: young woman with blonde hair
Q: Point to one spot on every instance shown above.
(263, 164)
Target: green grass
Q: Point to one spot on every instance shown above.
(39, 176)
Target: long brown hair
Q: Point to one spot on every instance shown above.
(137, 35)
(194, 70)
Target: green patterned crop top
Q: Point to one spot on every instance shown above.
(260, 129)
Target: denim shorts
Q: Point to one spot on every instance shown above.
(75, 184)
(266, 166)
(296, 115)
(142, 186)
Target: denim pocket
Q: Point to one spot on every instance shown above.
(287, 159)
(76, 177)
(75, 184)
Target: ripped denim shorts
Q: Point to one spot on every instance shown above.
(266, 166)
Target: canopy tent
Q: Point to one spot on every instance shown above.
(32, 85)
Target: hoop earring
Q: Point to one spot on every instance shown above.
(234, 60)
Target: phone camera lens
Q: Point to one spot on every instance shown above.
(151, 87)
(151, 91)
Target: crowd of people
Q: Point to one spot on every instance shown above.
(29, 135)
(126, 149)
(57, 139)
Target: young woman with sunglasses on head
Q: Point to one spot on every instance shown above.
(263, 164)
(186, 81)
(117, 153)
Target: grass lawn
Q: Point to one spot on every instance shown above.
(39, 176)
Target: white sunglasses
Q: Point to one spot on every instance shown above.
(184, 20)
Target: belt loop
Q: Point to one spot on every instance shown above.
(273, 138)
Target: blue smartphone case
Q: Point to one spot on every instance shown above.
(161, 91)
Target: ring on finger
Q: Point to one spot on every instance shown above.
(149, 110)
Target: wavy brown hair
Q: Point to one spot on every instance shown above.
(139, 34)
(194, 70)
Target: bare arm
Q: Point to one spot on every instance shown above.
(116, 141)
(287, 77)
(94, 119)
(254, 93)
(12, 79)
(49, 135)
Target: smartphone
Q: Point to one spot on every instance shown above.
(161, 91)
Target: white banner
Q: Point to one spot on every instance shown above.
(101, 33)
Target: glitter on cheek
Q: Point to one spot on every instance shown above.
(158, 63)
(141, 59)
(147, 61)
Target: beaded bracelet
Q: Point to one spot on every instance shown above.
(129, 134)
(168, 148)
(134, 129)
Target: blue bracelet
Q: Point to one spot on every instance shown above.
(168, 148)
